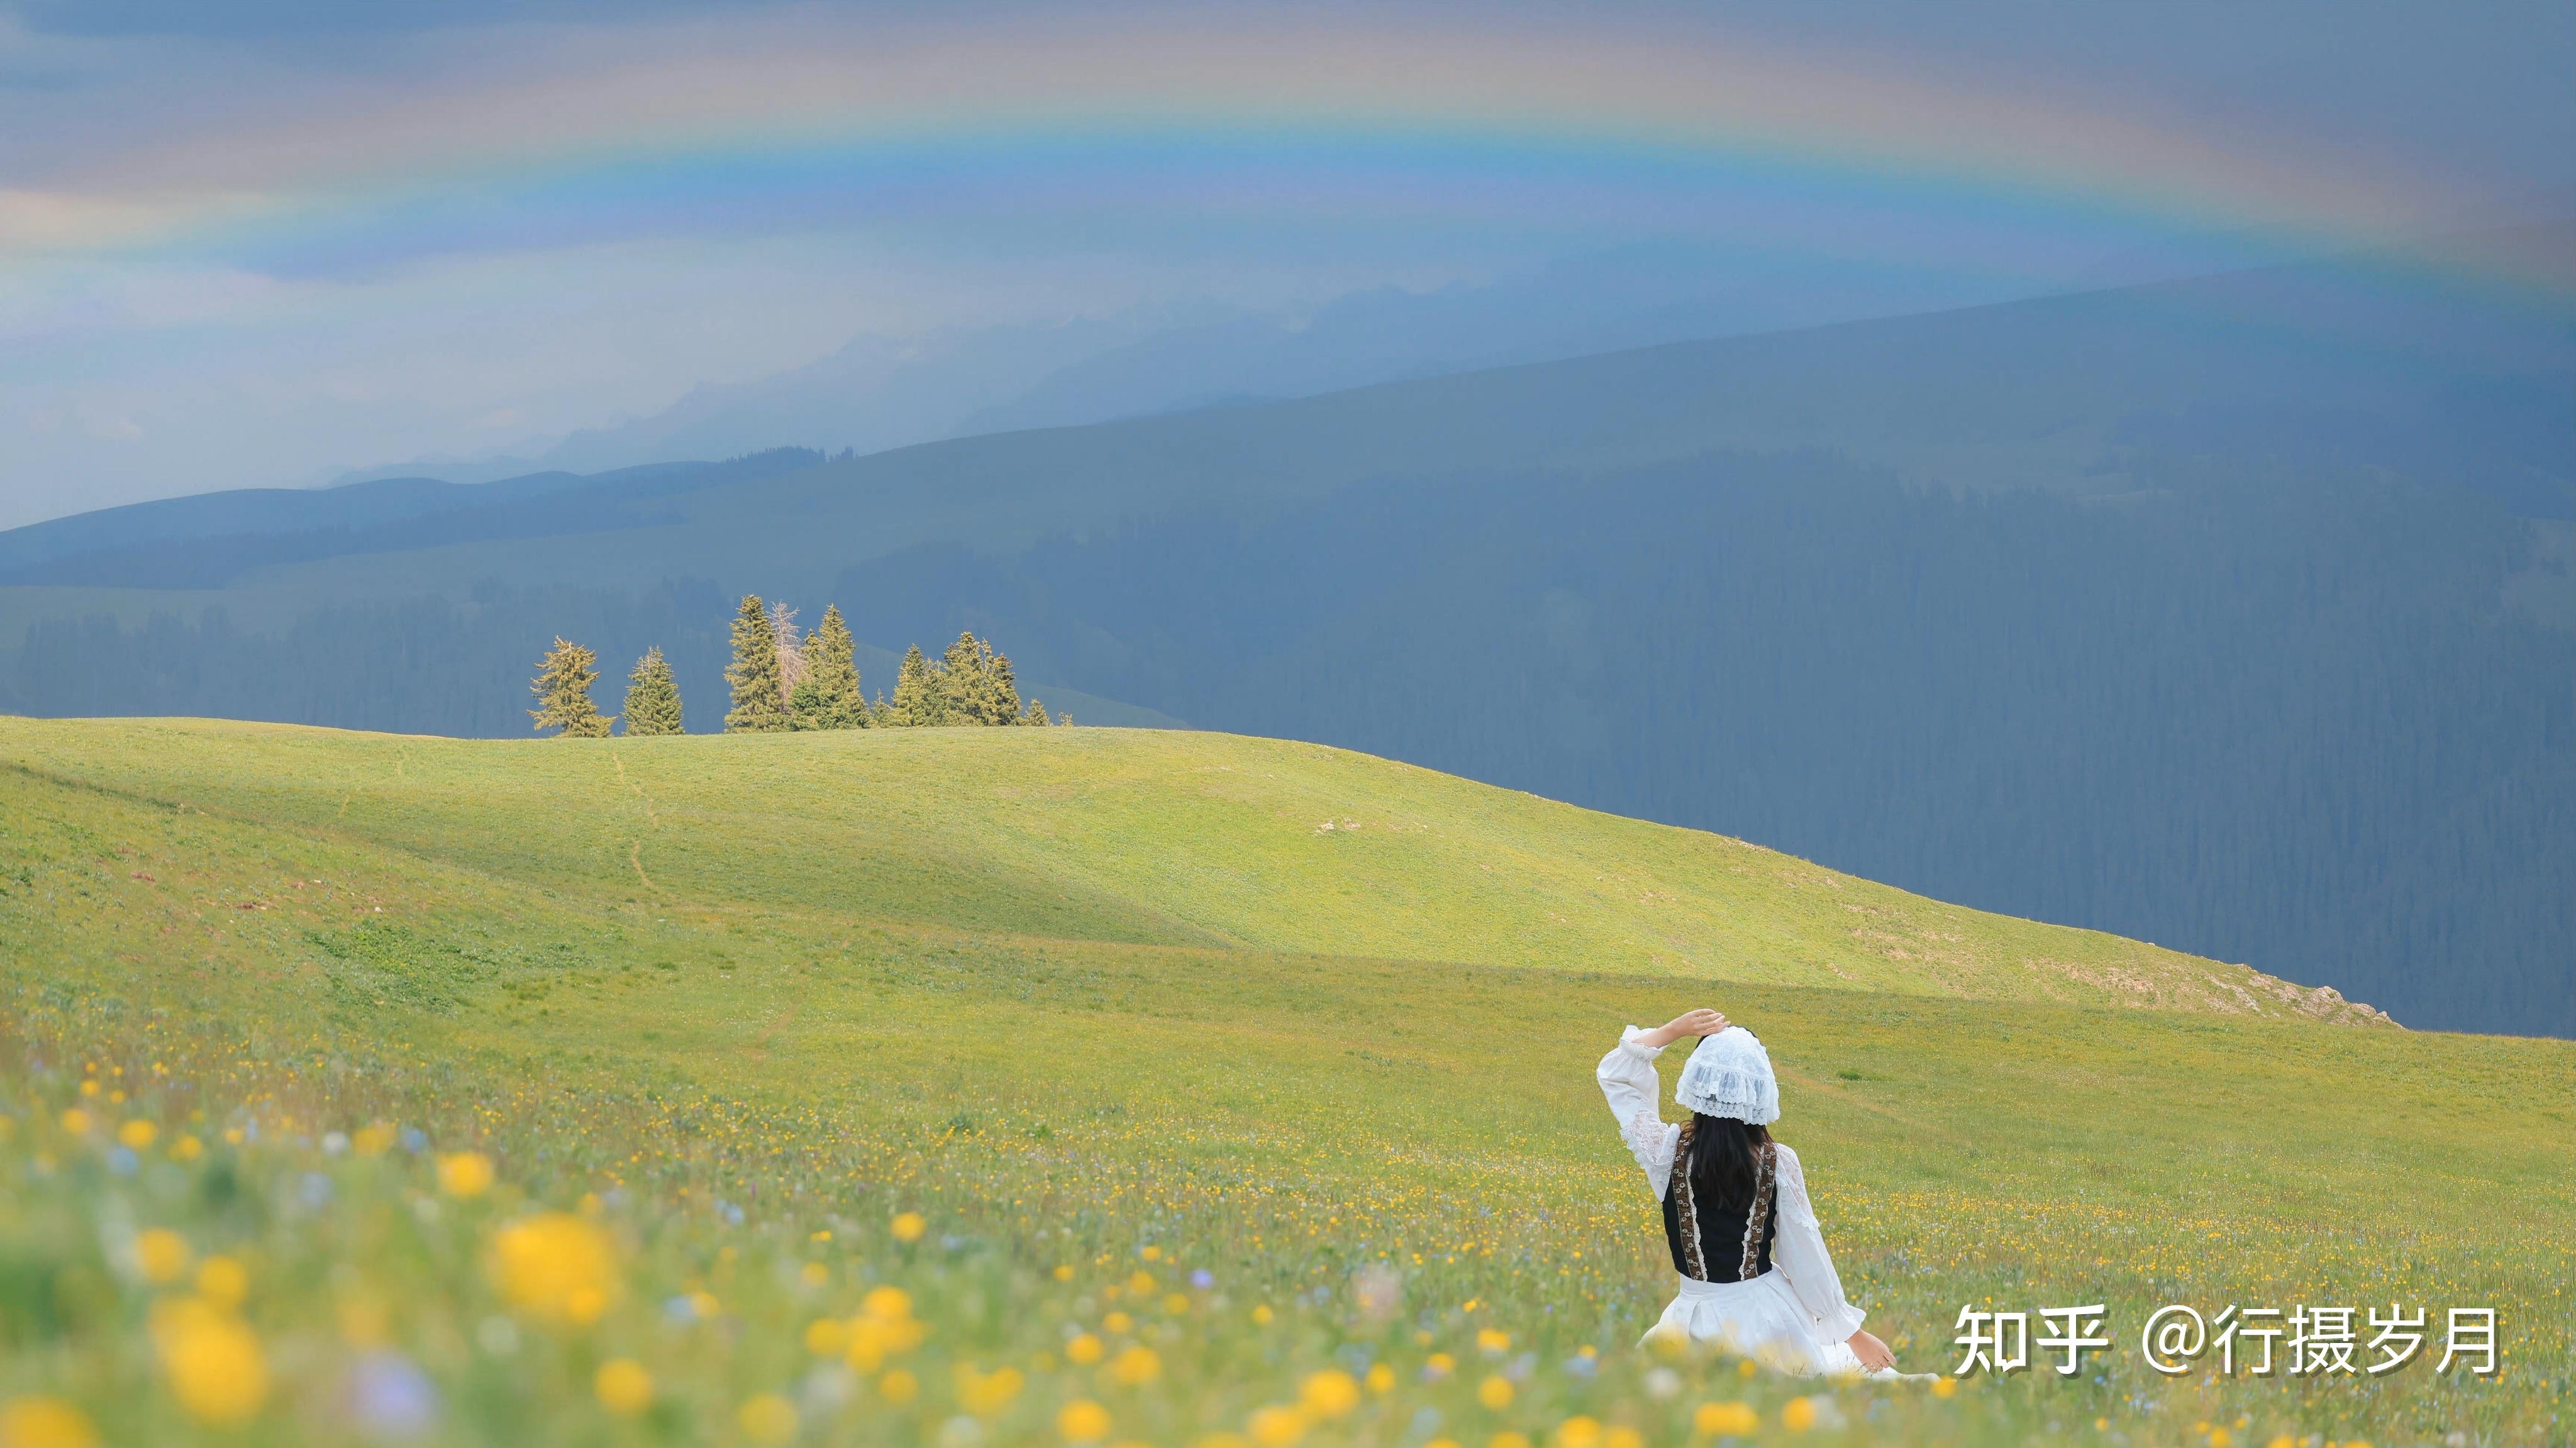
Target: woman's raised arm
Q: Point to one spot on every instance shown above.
(1635, 1092)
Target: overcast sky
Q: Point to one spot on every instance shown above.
(252, 244)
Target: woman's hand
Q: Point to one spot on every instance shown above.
(1872, 1353)
(1702, 1022)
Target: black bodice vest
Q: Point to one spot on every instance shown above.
(1716, 1253)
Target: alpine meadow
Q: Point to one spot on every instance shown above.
(938, 1085)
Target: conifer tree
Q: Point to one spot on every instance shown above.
(1035, 714)
(828, 697)
(758, 702)
(960, 677)
(1001, 689)
(562, 687)
(652, 697)
(919, 699)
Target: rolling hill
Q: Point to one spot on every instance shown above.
(1097, 1042)
(1148, 837)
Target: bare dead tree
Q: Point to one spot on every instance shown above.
(791, 658)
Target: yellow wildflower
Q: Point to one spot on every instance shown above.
(1720, 1420)
(827, 1337)
(223, 1281)
(985, 1394)
(137, 1135)
(1579, 1432)
(908, 1226)
(1381, 1379)
(899, 1387)
(1328, 1394)
(1136, 1366)
(1083, 1351)
(76, 1122)
(1493, 1342)
(767, 1418)
(557, 1267)
(1082, 1421)
(1276, 1427)
(1508, 1439)
(211, 1359)
(1798, 1415)
(1495, 1393)
(43, 1422)
(464, 1173)
(161, 1255)
(623, 1387)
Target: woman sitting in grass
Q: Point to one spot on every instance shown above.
(1755, 1276)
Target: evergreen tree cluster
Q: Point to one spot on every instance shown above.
(781, 683)
(971, 685)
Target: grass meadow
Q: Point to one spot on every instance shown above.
(1077, 1087)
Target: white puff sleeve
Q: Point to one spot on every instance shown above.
(1628, 1079)
(1798, 1250)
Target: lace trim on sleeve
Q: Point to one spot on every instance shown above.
(1651, 1140)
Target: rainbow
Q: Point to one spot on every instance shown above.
(1149, 118)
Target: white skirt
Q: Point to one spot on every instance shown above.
(1761, 1319)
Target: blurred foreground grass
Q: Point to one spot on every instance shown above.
(394, 1123)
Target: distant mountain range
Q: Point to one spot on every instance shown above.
(879, 393)
(2234, 613)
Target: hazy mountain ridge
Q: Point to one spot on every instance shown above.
(879, 392)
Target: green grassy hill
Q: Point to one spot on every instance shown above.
(1133, 836)
(1104, 1007)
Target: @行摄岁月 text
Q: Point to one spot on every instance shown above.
(2260, 1341)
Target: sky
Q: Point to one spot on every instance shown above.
(257, 244)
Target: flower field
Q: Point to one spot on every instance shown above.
(316, 1129)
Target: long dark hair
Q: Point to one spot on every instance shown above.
(1721, 1159)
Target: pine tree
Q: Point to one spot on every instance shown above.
(758, 703)
(1001, 690)
(919, 699)
(562, 687)
(652, 697)
(1035, 714)
(831, 676)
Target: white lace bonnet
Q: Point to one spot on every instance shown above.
(1730, 1076)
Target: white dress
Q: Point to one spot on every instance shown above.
(1792, 1317)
